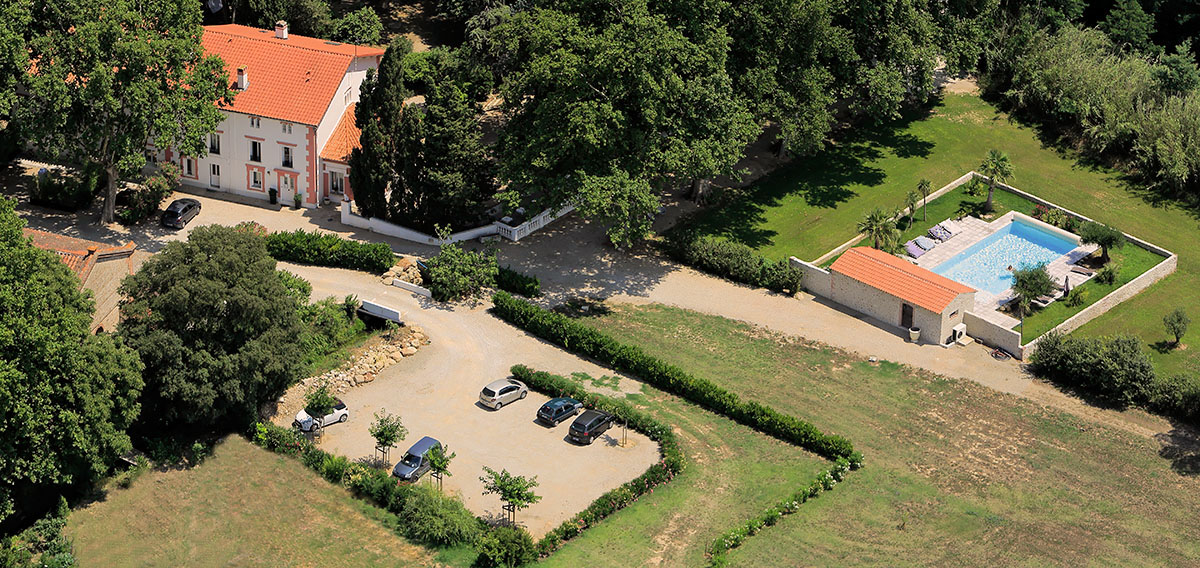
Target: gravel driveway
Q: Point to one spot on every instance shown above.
(435, 394)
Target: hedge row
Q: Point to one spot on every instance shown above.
(669, 464)
(734, 261)
(579, 338)
(825, 481)
(429, 520)
(325, 249)
(515, 282)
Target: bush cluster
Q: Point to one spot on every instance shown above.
(457, 274)
(42, 545)
(329, 325)
(734, 261)
(324, 249)
(669, 464)
(143, 202)
(824, 481)
(1113, 369)
(579, 338)
(429, 517)
(68, 191)
(506, 546)
(515, 282)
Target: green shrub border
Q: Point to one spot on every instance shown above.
(732, 261)
(670, 461)
(576, 337)
(327, 249)
(515, 282)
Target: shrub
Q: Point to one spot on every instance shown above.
(1108, 273)
(515, 282)
(68, 191)
(457, 274)
(144, 201)
(1077, 297)
(734, 261)
(1114, 369)
(435, 519)
(325, 249)
(506, 546)
(579, 338)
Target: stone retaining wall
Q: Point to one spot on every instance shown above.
(816, 280)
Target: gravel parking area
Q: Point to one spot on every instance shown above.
(444, 405)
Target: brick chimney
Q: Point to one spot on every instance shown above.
(281, 29)
(243, 78)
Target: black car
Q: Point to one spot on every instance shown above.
(589, 426)
(558, 409)
(179, 212)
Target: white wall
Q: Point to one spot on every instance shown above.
(994, 335)
(235, 155)
(815, 279)
(352, 81)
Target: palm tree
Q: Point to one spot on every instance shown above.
(880, 227)
(998, 169)
(910, 201)
(924, 186)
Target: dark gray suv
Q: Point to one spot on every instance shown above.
(589, 426)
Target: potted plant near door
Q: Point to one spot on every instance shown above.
(296, 199)
(274, 193)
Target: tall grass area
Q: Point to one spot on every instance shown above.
(813, 205)
(956, 474)
(243, 506)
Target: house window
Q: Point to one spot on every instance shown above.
(256, 179)
(285, 127)
(214, 144)
(189, 167)
(255, 122)
(954, 313)
(255, 151)
(346, 97)
(337, 181)
(287, 156)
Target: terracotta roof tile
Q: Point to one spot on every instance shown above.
(899, 278)
(344, 138)
(79, 255)
(293, 80)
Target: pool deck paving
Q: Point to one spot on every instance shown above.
(987, 304)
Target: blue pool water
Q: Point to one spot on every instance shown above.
(984, 265)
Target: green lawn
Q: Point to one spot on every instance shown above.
(956, 473)
(813, 204)
(731, 474)
(243, 506)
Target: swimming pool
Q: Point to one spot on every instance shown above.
(984, 265)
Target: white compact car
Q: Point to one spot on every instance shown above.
(306, 423)
(501, 392)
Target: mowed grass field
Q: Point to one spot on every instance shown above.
(956, 474)
(243, 506)
(732, 473)
(813, 204)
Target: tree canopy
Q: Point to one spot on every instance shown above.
(216, 328)
(68, 396)
(114, 75)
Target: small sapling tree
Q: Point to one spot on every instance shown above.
(515, 490)
(439, 463)
(1176, 323)
(387, 431)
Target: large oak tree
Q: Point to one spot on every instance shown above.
(66, 396)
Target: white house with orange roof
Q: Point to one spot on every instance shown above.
(291, 125)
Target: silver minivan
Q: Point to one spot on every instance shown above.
(501, 392)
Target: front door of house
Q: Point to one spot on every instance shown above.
(285, 188)
(214, 176)
(906, 313)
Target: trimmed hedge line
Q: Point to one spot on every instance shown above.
(669, 464)
(325, 249)
(579, 338)
(515, 282)
(448, 521)
(734, 261)
(824, 481)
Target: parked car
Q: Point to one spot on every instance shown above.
(306, 423)
(558, 409)
(589, 426)
(414, 464)
(501, 392)
(179, 212)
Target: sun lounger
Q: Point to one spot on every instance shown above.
(939, 232)
(925, 242)
(951, 226)
(1082, 270)
(913, 250)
